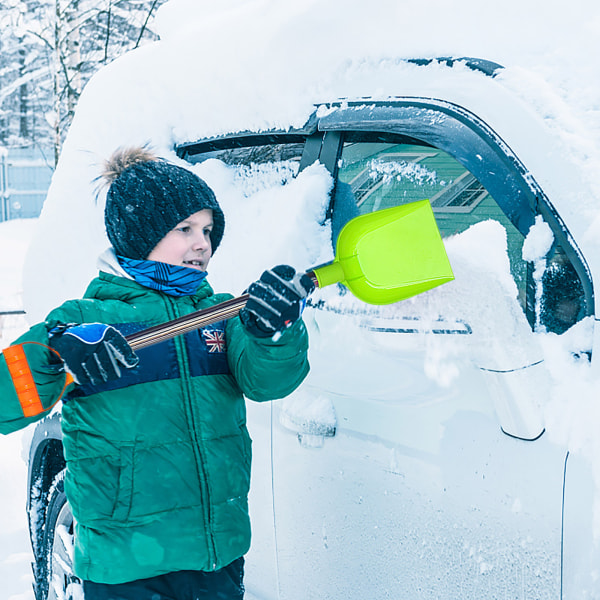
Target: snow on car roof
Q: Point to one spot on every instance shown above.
(263, 65)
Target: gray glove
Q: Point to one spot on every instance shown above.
(92, 352)
(276, 301)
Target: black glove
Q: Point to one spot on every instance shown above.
(91, 352)
(276, 301)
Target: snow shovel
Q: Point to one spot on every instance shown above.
(381, 257)
(389, 255)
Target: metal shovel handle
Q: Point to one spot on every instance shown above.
(196, 320)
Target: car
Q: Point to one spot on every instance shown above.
(416, 461)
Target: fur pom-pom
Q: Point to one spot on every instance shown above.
(122, 159)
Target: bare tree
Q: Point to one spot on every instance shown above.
(48, 51)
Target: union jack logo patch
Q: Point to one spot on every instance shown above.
(215, 340)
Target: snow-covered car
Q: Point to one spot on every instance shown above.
(430, 453)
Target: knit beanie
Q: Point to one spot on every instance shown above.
(148, 197)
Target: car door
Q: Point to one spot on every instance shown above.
(413, 461)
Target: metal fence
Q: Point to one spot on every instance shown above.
(25, 175)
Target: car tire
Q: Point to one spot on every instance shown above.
(55, 577)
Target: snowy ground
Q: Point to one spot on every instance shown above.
(15, 552)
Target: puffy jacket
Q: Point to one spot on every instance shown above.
(158, 461)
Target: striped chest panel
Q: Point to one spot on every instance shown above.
(206, 351)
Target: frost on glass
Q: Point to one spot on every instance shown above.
(261, 176)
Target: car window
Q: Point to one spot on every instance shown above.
(379, 172)
(562, 298)
(259, 162)
(252, 155)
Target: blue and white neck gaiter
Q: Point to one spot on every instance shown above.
(171, 279)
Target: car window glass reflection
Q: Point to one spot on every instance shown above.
(379, 174)
(254, 154)
(382, 175)
(562, 303)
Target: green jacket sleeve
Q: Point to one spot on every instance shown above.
(267, 369)
(19, 409)
(29, 385)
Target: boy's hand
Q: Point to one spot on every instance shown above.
(92, 352)
(276, 301)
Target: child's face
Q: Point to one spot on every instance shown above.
(188, 243)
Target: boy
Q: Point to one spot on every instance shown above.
(158, 455)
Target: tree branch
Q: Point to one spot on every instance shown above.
(145, 25)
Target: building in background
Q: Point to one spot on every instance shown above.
(25, 175)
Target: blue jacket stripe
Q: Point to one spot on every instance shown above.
(159, 362)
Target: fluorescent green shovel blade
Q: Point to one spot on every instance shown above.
(389, 255)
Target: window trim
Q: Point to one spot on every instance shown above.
(472, 143)
(189, 151)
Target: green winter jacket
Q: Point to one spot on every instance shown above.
(158, 461)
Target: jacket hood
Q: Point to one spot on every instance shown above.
(108, 263)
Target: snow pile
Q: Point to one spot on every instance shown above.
(15, 551)
(15, 237)
(259, 209)
(538, 242)
(535, 248)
